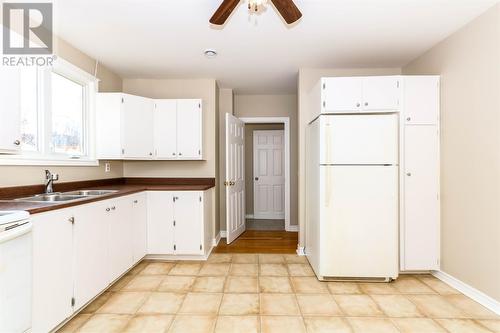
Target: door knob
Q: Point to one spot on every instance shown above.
(256, 178)
(232, 183)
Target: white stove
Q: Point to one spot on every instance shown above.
(15, 271)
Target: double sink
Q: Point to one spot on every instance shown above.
(66, 196)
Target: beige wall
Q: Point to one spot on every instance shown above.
(249, 132)
(28, 175)
(275, 106)
(225, 106)
(308, 78)
(469, 65)
(197, 88)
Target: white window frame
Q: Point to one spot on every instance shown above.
(45, 155)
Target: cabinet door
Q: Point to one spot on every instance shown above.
(380, 93)
(342, 94)
(10, 108)
(421, 202)
(91, 262)
(139, 226)
(160, 223)
(120, 236)
(52, 269)
(108, 125)
(189, 129)
(421, 100)
(188, 223)
(137, 130)
(165, 129)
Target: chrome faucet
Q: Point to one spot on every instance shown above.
(49, 181)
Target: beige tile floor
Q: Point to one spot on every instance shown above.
(274, 293)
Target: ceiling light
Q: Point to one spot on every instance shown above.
(256, 5)
(210, 54)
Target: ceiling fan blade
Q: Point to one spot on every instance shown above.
(288, 10)
(224, 11)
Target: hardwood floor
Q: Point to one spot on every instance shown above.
(257, 241)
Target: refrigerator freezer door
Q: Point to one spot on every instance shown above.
(370, 139)
(359, 221)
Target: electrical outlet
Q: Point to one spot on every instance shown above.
(107, 167)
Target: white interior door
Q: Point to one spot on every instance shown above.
(235, 177)
(269, 174)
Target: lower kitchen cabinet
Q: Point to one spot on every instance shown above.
(178, 222)
(120, 236)
(52, 269)
(90, 251)
(139, 226)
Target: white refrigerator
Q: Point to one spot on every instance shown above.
(352, 196)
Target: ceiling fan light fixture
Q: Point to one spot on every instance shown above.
(256, 5)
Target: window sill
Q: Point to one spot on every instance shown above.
(16, 160)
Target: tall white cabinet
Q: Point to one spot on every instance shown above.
(10, 97)
(420, 169)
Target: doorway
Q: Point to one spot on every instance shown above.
(243, 190)
(265, 176)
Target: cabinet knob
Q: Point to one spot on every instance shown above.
(366, 103)
(408, 174)
(180, 154)
(150, 154)
(358, 105)
(135, 201)
(17, 142)
(173, 154)
(72, 219)
(113, 208)
(256, 178)
(108, 209)
(408, 119)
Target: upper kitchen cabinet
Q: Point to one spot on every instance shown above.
(358, 94)
(136, 128)
(124, 126)
(421, 100)
(189, 129)
(10, 131)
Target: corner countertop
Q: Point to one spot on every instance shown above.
(123, 186)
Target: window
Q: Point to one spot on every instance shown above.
(67, 115)
(55, 116)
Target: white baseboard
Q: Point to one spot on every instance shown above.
(249, 216)
(292, 228)
(469, 291)
(223, 234)
(217, 238)
(300, 251)
(173, 257)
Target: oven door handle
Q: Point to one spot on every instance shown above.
(16, 232)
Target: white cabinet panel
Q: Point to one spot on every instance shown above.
(421, 198)
(137, 130)
(108, 125)
(120, 236)
(421, 100)
(165, 129)
(139, 226)
(189, 129)
(188, 222)
(342, 94)
(10, 109)
(52, 269)
(380, 93)
(160, 223)
(91, 261)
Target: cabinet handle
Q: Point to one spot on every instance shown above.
(17, 143)
(72, 220)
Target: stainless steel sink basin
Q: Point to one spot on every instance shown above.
(90, 192)
(55, 197)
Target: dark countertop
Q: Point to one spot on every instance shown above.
(123, 188)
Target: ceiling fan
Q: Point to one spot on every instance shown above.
(286, 8)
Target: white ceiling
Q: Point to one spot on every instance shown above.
(257, 54)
